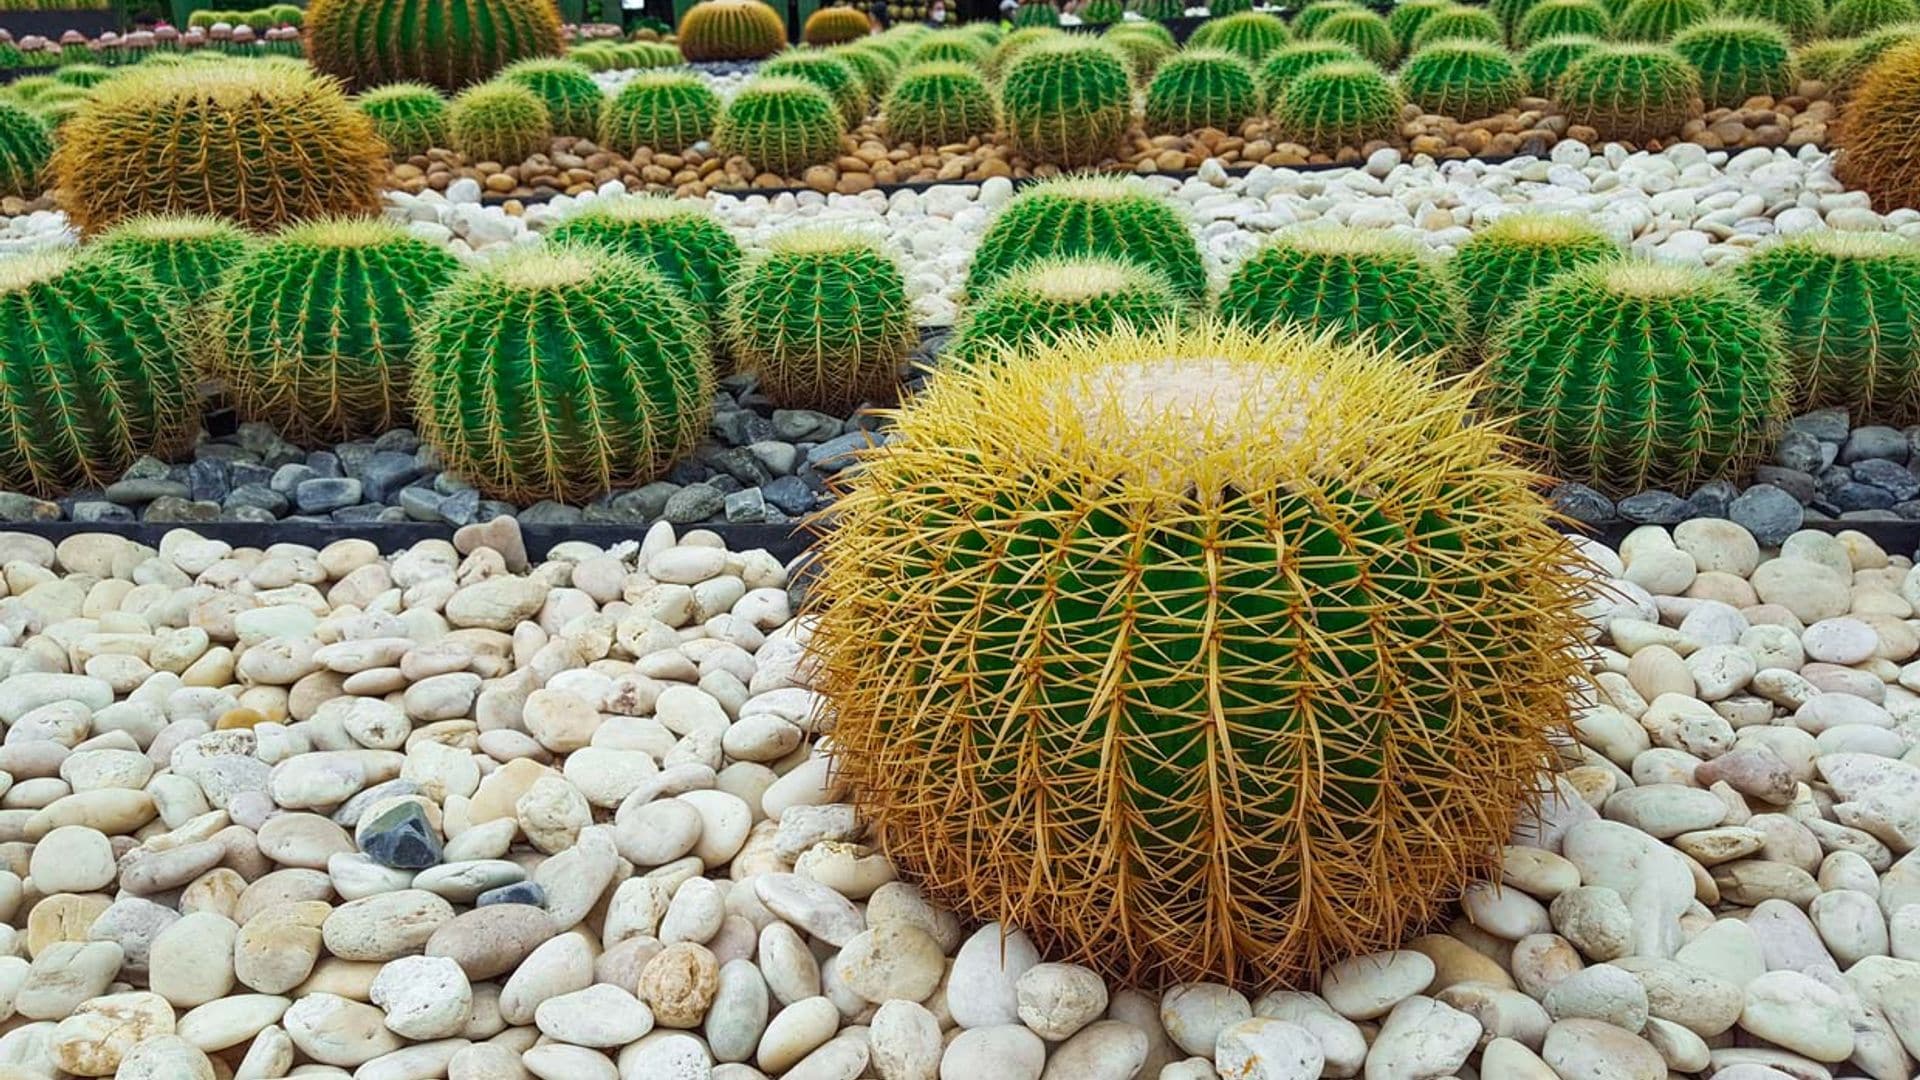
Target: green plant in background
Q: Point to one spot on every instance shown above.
(600, 55)
(1518, 253)
(448, 43)
(833, 25)
(500, 122)
(875, 66)
(1309, 18)
(572, 98)
(1067, 102)
(781, 125)
(411, 118)
(312, 331)
(1228, 7)
(1466, 80)
(1851, 69)
(1629, 375)
(1331, 106)
(1037, 304)
(1252, 34)
(1362, 31)
(286, 15)
(666, 111)
(55, 106)
(1405, 19)
(1102, 12)
(93, 369)
(25, 148)
(1201, 88)
(1348, 282)
(1630, 93)
(681, 241)
(1459, 21)
(1289, 62)
(1850, 307)
(82, 75)
(1036, 13)
(821, 318)
(1159, 10)
(1151, 30)
(1823, 60)
(268, 143)
(1856, 18)
(939, 104)
(1510, 13)
(1562, 18)
(1088, 216)
(1657, 21)
(829, 73)
(28, 88)
(185, 253)
(1803, 20)
(561, 372)
(1144, 51)
(731, 30)
(1018, 42)
(1737, 59)
(1544, 62)
(951, 46)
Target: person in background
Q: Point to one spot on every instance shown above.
(877, 11)
(937, 13)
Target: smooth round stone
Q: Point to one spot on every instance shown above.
(386, 926)
(904, 1040)
(424, 997)
(898, 961)
(191, 962)
(1840, 641)
(1592, 1048)
(1543, 873)
(72, 859)
(333, 1030)
(1422, 1037)
(92, 1041)
(600, 1016)
(303, 840)
(1502, 1013)
(695, 914)
(1696, 999)
(165, 1057)
(658, 832)
(679, 984)
(1505, 913)
(980, 986)
(1342, 1044)
(520, 892)
(1596, 920)
(1666, 810)
(1366, 987)
(1602, 992)
(667, 1056)
(462, 882)
(1194, 1014)
(725, 821)
(491, 941)
(794, 1032)
(1798, 1013)
(558, 1061)
(1264, 1049)
(231, 1021)
(810, 906)
(276, 949)
(1003, 1051)
(738, 1015)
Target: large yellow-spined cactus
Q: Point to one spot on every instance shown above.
(1195, 653)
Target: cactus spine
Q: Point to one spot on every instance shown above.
(185, 253)
(1855, 18)
(1562, 18)
(25, 149)
(1067, 102)
(1363, 32)
(1251, 34)
(1348, 282)
(665, 111)
(572, 98)
(1290, 61)
(1333, 106)
(1508, 259)
(1657, 21)
(1545, 62)
(939, 104)
(834, 25)
(1880, 135)
(411, 118)
(1737, 59)
(680, 241)
(1201, 88)
(1405, 19)
(1090, 217)
(1467, 80)
(1631, 93)
(1459, 21)
(1042, 301)
(499, 121)
(782, 125)
(1803, 20)
(829, 73)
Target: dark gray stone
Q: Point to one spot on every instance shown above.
(323, 495)
(94, 510)
(695, 502)
(366, 513)
(1889, 476)
(16, 508)
(386, 472)
(687, 471)
(241, 473)
(1581, 503)
(838, 452)
(401, 837)
(461, 507)
(724, 484)
(648, 501)
(520, 892)
(290, 476)
(1827, 425)
(326, 465)
(746, 505)
(739, 427)
(1712, 499)
(257, 439)
(256, 497)
(548, 512)
(777, 457)
(734, 461)
(420, 504)
(804, 425)
(1799, 451)
(1874, 441)
(1767, 512)
(1858, 496)
(139, 490)
(172, 508)
(400, 440)
(229, 453)
(208, 478)
(1654, 508)
(148, 467)
(1909, 510)
(1833, 479)
(247, 513)
(1792, 481)
(493, 508)
(610, 514)
(790, 494)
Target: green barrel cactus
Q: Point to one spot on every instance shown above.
(1518, 253)
(780, 125)
(1042, 301)
(1313, 14)
(950, 46)
(1544, 62)
(84, 76)
(1363, 32)
(1160, 11)
(1252, 34)
(731, 30)
(1630, 93)
(560, 372)
(1405, 19)
(312, 332)
(681, 241)
(1103, 12)
(500, 122)
(1348, 282)
(829, 73)
(1737, 59)
(821, 318)
(1289, 62)
(448, 43)
(1017, 42)
(1849, 304)
(1562, 18)
(1333, 106)
(1803, 20)
(1657, 21)
(185, 253)
(1201, 88)
(95, 374)
(1850, 70)
(572, 98)
(1067, 102)
(1823, 60)
(666, 111)
(1629, 375)
(1466, 80)
(25, 149)
(1152, 30)
(1036, 13)
(1144, 52)
(1459, 21)
(939, 104)
(875, 66)
(411, 118)
(1086, 216)
(1218, 8)
(1856, 18)
(1510, 13)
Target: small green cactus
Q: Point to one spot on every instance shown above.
(410, 117)
(1338, 105)
(821, 318)
(939, 104)
(731, 30)
(681, 241)
(1201, 88)
(950, 46)
(1657, 21)
(781, 125)
(1044, 300)
(829, 73)
(1803, 20)
(185, 253)
(1252, 34)
(1562, 18)
(83, 76)
(875, 66)
(1849, 71)
(1466, 80)
(1160, 10)
(572, 98)
(1459, 21)
(560, 372)
(1629, 375)
(666, 111)
(1085, 216)
(1145, 52)
(312, 331)
(1067, 102)
(1850, 307)
(1856, 18)
(1146, 29)
(1405, 19)
(1311, 16)
(1362, 31)
(1737, 59)
(25, 148)
(500, 122)
(1218, 8)
(1518, 253)
(1510, 13)
(1289, 62)
(1544, 62)
(94, 371)
(1036, 13)
(1102, 12)
(1630, 93)
(1825, 59)
(1347, 282)
(1018, 42)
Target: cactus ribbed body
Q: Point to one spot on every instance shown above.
(1630, 93)
(1405, 19)
(1160, 10)
(94, 373)
(312, 332)
(1850, 70)
(780, 125)
(411, 118)
(1251, 34)
(185, 253)
(829, 73)
(680, 241)
(1518, 253)
(662, 110)
(1347, 282)
(822, 319)
(1337, 105)
(1103, 12)
(561, 373)
(1362, 31)
(833, 25)
(1313, 14)
(25, 148)
(1289, 62)
(1067, 102)
(1737, 59)
(1632, 375)
(1562, 18)
(950, 46)
(1856, 18)
(1036, 13)
(731, 30)
(1545, 62)
(1803, 20)
(1510, 13)
(448, 43)
(1822, 60)
(1144, 52)
(572, 98)
(1090, 217)
(1217, 8)
(1018, 42)
(263, 144)
(939, 104)
(875, 66)
(1201, 88)
(1249, 647)
(1467, 80)
(1036, 305)
(499, 121)
(1657, 21)
(1459, 21)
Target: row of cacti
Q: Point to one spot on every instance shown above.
(259, 19)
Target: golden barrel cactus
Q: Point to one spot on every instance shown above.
(1880, 131)
(1196, 653)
